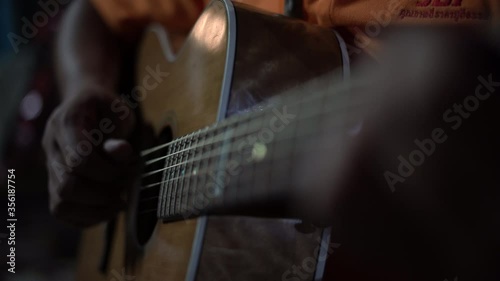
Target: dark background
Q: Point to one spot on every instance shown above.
(45, 248)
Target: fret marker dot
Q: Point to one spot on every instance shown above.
(259, 151)
(195, 172)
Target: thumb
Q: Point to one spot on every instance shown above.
(119, 150)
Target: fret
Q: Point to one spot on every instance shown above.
(183, 158)
(175, 177)
(238, 145)
(195, 173)
(210, 169)
(166, 193)
(265, 184)
(201, 177)
(245, 188)
(193, 142)
(218, 177)
(220, 135)
(221, 171)
(236, 157)
(239, 126)
(210, 173)
(254, 125)
(233, 164)
(262, 162)
(260, 158)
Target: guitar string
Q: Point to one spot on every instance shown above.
(323, 112)
(204, 131)
(236, 138)
(205, 172)
(191, 191)
(243, 118)
(188, 183)
(202, 173)
(214, 155)
(177, 173)
(166, 192)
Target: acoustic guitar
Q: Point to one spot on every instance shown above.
(232, 112)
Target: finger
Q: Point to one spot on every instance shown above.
(120, 151)
(82, 141)
(90, 161)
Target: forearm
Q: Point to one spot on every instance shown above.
(88, 53)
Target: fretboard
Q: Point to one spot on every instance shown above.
(250, 159)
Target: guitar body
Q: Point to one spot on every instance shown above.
(233, 59)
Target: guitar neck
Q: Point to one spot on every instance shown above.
(250, 160)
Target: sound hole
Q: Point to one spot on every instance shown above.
(148, 197)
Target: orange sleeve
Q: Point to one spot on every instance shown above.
(364, 20)
(129, 17)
